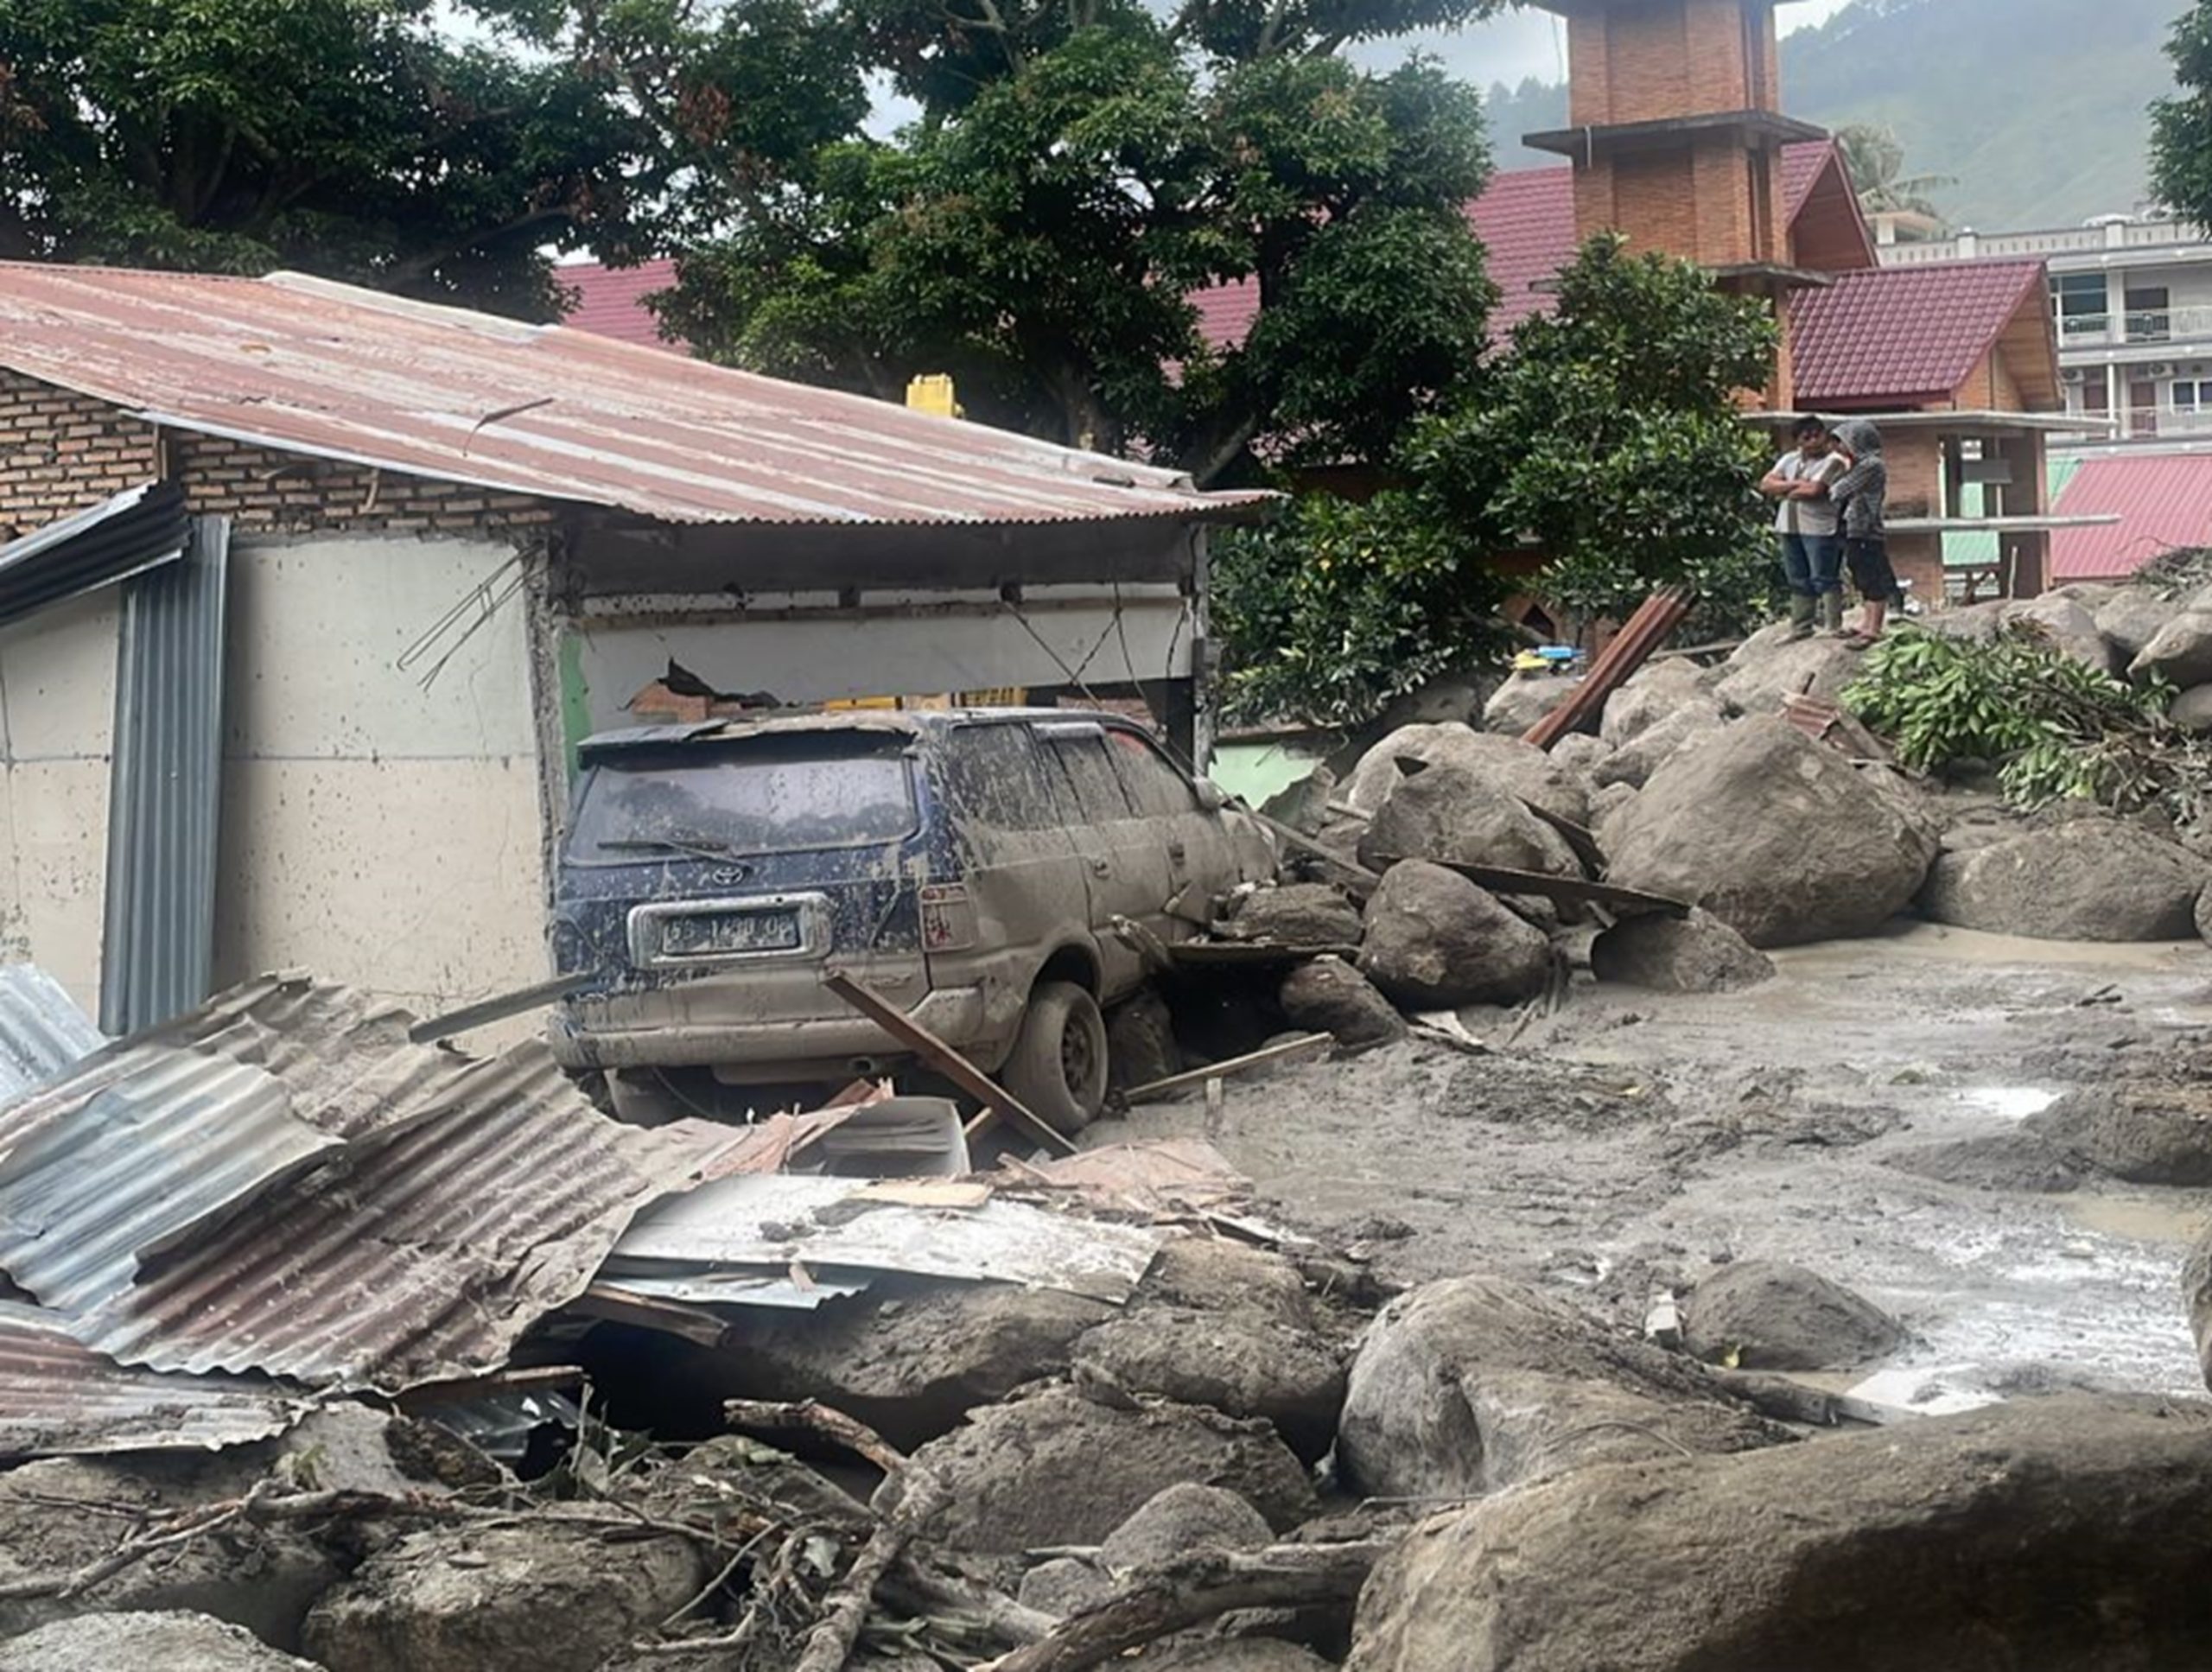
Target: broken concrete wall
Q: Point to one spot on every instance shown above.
(384, 833)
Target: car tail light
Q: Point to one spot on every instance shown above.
(948, 917)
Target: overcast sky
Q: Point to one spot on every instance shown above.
(1535, 43)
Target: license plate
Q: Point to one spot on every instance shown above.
(711, 934)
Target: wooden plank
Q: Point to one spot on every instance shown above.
(518, 1003)
(996, 1098)
(1242, 954)
(1500, 880)
(1153, 1089)
(620, 1306)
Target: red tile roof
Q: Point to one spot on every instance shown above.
(2161, 501)
(1226, 311)
(1526, 220)
(1895, 335)
(1801, 171)
(611, 301)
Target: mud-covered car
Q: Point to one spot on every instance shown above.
(966, 865)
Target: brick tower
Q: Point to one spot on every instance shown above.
(1677, 136)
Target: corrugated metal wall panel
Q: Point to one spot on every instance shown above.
(42, 1030)
(128, 535)
(165, 799)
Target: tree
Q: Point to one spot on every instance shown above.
(1874, 157)
(1079, 170)
(2181, 127)
(431, 150)
(1609, 436)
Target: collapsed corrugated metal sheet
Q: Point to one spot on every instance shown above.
(333, 372)
(57, 1398)
(119, 537)
(165, 793)
(42, 1030)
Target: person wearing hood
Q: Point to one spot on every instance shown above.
(1861, 494)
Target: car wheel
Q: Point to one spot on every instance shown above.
(1059, 1063)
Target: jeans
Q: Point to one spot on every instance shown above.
(1813, 562)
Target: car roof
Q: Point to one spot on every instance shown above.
(911, 722)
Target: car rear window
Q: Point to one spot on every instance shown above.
(767, 795)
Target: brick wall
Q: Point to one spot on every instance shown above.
(1650, 60)
(60, 451)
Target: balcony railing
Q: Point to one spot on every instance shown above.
(2146, 423)
(2145, 326)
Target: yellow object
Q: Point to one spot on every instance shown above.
(933, 393)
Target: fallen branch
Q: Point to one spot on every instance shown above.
(1164, 1600)
(1008, 1621)
(829, 1645)
(855, 1435)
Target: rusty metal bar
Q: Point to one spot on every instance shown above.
(1645, 632)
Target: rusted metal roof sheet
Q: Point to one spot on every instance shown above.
(58, 1397)
(333, 372)
(42, 1030)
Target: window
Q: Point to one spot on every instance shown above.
(2148, 316)
(1155, 789)
(2191, 395)
(993, 778)
(2078, 299)
(766, 795)
(1084, 776)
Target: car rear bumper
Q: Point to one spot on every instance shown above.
(805, 1048)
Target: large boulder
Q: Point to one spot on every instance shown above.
(2147, 1132)
(1770, 667)
(1298, 914)
(2180, 653)
(1523, 699)
(1653, 747)
(2065, 1535)
(2196, 1285)
(1977, 624)
(1520, 768)
(1327, 995)
(2070, 625)
(1656, 691)
(2191, 709)
(1767, 1315)
(1474, 1384)
(168, 1641)
(1449, 813)
(1184, 1518)
(1776, 836)
(1695, 954)
(1579, 753)
(2131, 619)
(1230, 1655)
(1435, 941)
(544, 1595)
(1239, 1364)
(1057, 1468)
(2087, 880)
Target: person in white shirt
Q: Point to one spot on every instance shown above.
(1809, 526)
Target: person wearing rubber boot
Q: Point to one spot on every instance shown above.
(1809, 527)
(1862, 494)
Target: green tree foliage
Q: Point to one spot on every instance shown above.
(1608, 435)
(2181, 127)
(1875, 157)
(438, 151)
(1078, 169)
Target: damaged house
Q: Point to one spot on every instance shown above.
(309, 594)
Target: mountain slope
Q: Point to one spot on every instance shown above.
(2038, 106)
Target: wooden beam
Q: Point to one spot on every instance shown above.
(1152, 1089)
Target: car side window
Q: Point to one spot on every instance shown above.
(1084, 777)
(995, 778)
(1155, 789)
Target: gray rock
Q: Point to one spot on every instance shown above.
(2086, 879)
(1520, 768)
(1635, 761)
(169, 1641)
(1237, 1364)
(1977, 624)
(1656, 690)
(544, 1596)
(1298, 914)
(2069, 624)
(2147, 1132)
(2068, 1534)
(1449, 813)
(2196, 1285)
(1475, 1384)
(1435, 941)
(1696, 954)
(2180, 653)
(2191, 709)
(2019, 1161)
(1769, 666)
(1203, 1274)
(1056, 1468)
(1065, 1585)
(1766, 1315)
(2130, 617)
(1328, 996)
(1523, 699)
(1775, 835)
(1579, 753)
(2204, 915)
(1607, 806)
(1183, 1518)
(1230, 1654)
(1141, 1044)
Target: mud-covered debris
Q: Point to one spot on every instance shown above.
(1297, 914)
(1141, 1041)
(168, 1640)
(1768, 1315)
(1329, 995)
(1436, 941)
(1695, 954)
(2147, 1132)
(1242, 1366)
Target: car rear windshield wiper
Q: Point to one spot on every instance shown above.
(698, 847)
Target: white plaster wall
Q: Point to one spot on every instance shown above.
(57, 724)
(375, 831)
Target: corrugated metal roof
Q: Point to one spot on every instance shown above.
(42, 1030)
(331, 371)
(1899, 335)
(135, 531)
(60, 1398)
(611, 302)
(165, 788)
(2162, 502)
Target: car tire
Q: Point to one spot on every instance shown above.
(1059, 1063)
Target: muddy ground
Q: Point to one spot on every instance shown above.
(1632, 1139)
